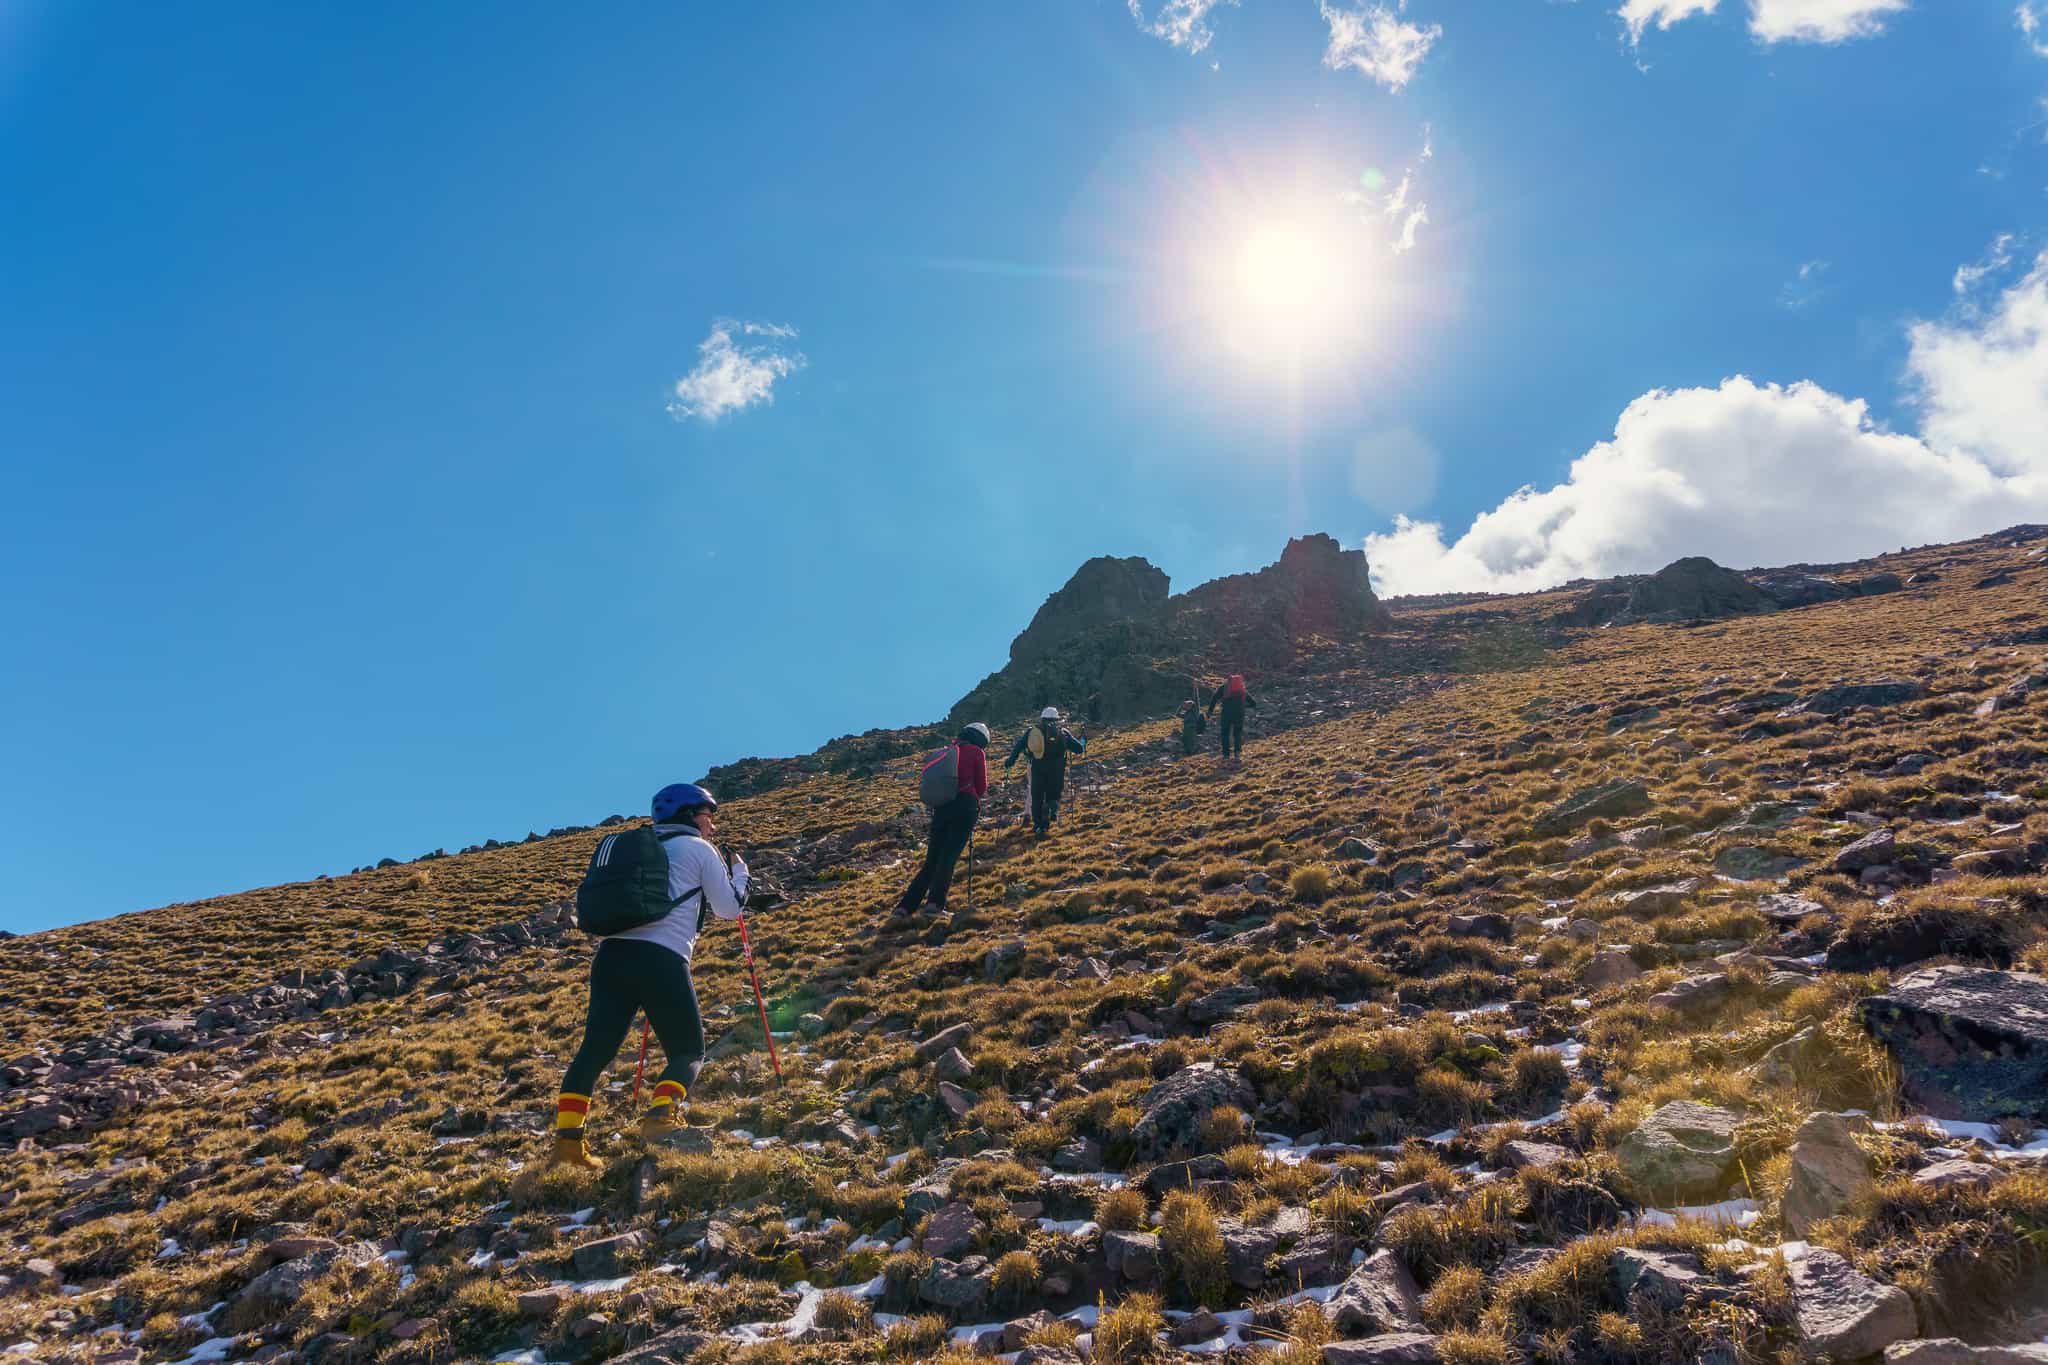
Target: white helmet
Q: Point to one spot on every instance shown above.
(1049, 713)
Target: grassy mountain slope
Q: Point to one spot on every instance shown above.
(305, 1123)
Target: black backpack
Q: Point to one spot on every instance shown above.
(626, 885)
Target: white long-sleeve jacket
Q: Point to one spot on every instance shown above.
(693, 863)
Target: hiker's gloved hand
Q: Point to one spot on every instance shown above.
(739, 876)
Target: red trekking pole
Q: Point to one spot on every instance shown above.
(760, 1004)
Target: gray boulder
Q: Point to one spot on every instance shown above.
(1655, 1279)
(1378, 1296)
(1748, 863)
(1957, 1172)
(1875, 849)
(1952, 1351)
(1682, 1152)
(1844, 1313)
(1132, 1256)
(958, 1287)
(1175, 1107)
(1834, 701)
(1702, 992)
(1828, 1169)
(1970, 1042)
(950, 1231)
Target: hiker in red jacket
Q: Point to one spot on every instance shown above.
(952, 826)
(1234, 697)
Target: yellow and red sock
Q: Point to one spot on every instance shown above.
(570, 1111)
(667, 1093)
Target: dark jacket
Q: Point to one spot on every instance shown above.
(1058, 743)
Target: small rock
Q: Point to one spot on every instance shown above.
(955, 1036)
(542, 1303)
(1683, 1150)
(608, 1257)
(1957, 1173)
(411, 1328)
(590, 1325)
(1133, 1256)
(1388, 1348)
(950, 1231)
(957, 1101)
(1828, 1169)
(1521, 1154)
(1378, 1296)
(1953, 1351)
(1876, 849)
(1661, 1279)
(952, 1065)
(1609, 967)
(1701, 992)
(1846, 1314)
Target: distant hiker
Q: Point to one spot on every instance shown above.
(953, 816)
(1095, 708)
(1234, 698)
(656, 883)
(1192, 723)
(1048, 743)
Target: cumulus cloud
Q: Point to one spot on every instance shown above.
(1640, 15)
(1981, 379)
(1819, 21)
(1755, 474)
(1377, 41)
(1182, 23)
(732, 374)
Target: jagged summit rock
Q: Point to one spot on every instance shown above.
(1113, 629)
(1694, 589)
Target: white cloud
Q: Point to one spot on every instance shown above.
(1182, 23)
(1376, 41)
(1639, 15)
(1981, 379)
(731, 375)
(1968, 277)
(1755, 474)
(1782, 21)
(1819, 21)
(2033, 17)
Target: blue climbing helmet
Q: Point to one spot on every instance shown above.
(678, 797)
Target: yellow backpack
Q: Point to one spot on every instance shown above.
(1034, 741)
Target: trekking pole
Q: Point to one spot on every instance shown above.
(759, 1003)
(970, 869)
(640, 1071)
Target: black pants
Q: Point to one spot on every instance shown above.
(952, 826)
(1047, 783)
(1190, 739)
(626, 977)
(1233, 728)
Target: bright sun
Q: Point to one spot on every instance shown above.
(1289, 289)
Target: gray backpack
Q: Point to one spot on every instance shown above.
(939, 781)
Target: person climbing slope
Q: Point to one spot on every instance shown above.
(648, 968)
(1234, 698)
(952, 825)
(1191, 726)
(1048, 743)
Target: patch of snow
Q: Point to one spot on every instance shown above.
(581, 1217)
(211, 1349)
(170, 1250)
(479, 1259)
(1069, 1227)
(1497, 1007)
(1729, 1212)
(1109, 1180)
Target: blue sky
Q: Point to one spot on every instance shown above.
(420, 425)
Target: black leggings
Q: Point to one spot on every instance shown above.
(1233, 729)
(952, 826)
(1047, 785)
(626, 977)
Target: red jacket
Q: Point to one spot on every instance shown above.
(973, 770)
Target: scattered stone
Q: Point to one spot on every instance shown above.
(1845, 1314)
(811, 1025)
(1657, 1279)
(1378, 1296)
(1521, 1154)
(957, 1101)
(1219, 1005)
(1834, 701)
(1175, 1107)
(1683, 1150)
(956, 1036)
(1970, 1042)
(1609, 967)
(542, 1303)
(1082, 1154)
(1657, 901)
(1609, 800)
(1748, 863)
(1388, 1348)
(1875, 849)
(1133, 1256)
(1245, 1250)
(1485, 925)
(608, 1257)
(1183, 1175)
(1828, 1169)
(1792, 1061)
(957, 1287)
(1954, 1351)
(952, 1065)
(1957, 1173)
(950, 1231)
(1701, 992)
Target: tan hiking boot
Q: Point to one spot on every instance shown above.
(570, 1150)
(660, 1123)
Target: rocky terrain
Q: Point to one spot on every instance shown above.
(1641, 971)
